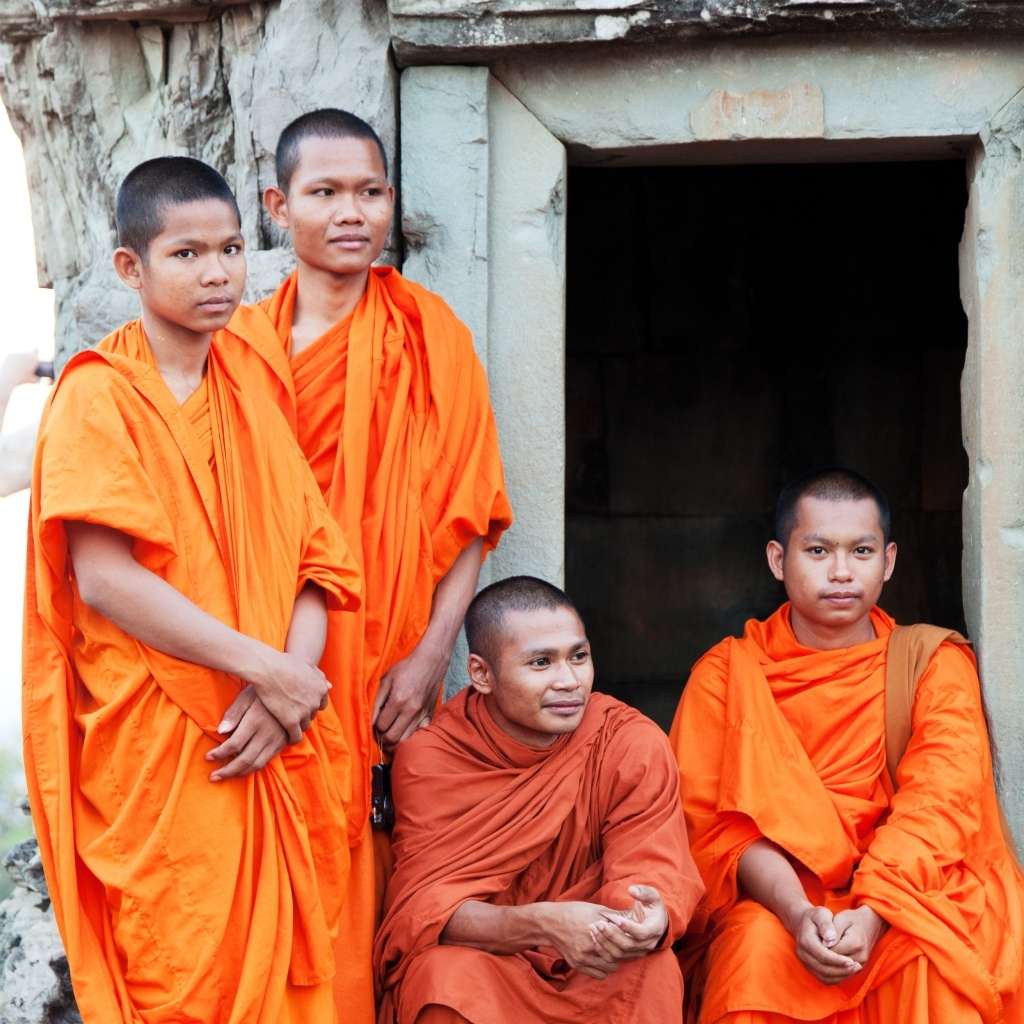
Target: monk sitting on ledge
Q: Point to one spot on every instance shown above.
(542, 871)
(839, 794)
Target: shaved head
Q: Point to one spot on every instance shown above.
(486, 613)
(153, 186)
(328, 123)
(831, 483)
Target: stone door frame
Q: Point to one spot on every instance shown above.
(484, 156)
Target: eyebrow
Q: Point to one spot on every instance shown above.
(334, 182)
(540, 651)
(194, 243)
(817, 538)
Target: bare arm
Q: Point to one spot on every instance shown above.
(307, 633)
(409, 688)
(766, 875)
(566, 927)
(151, 610)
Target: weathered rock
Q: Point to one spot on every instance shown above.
(92, 94)
(457, 31)
(35, 987)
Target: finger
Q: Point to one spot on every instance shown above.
(824, 923)
(827, 973)
(236, 709)
(241, 765)
(821, 955)
(383, 692)
(639, 931)
(646, 894)
(417, 723)
(236, 742)
(592, 972)
(324, 702)
(612, 939)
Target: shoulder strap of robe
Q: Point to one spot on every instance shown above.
(910, 650)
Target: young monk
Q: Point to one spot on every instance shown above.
(835, 893)
(394, 417)
(542, 871)
(181, 560)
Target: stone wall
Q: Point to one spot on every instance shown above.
(95, 87)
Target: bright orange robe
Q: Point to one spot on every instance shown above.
(394, 417)
(180, 900)
(780, 741)
(481, 816)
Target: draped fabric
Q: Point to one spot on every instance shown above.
(392, 410)
(482, 816)
(780, 741)
(181, 900)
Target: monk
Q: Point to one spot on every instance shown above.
(836, 893)
(542, 871)
(185, 768)
(393, 414)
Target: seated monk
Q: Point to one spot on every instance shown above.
(542, 871)
(850, 878)
(190, 811)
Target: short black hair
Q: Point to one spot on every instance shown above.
(328, 123)
(829, 483)
(154, 185)
(486, 611)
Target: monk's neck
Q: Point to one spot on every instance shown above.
(322, 300)
(830, 638)
(180, 354)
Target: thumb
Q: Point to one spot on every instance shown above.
(237, 708)
(645, 894)
(824, 923)
(381, 699)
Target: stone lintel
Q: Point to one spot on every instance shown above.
(449, 31)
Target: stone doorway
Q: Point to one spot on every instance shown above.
(727, 327)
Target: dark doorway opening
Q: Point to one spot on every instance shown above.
(728, 328)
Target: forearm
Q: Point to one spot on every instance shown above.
(451, 599)
(766, 875)
(502, 930)
(307, 633)
(153, 612)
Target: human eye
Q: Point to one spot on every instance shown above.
(323, 191)
(540, 662)
(817, 550)
(863, 549)
(185, 254)
(374, 191)
(234, 249)
(581, 656)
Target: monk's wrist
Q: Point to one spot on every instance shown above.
(256, 661)
(529, 926)
(791, 914)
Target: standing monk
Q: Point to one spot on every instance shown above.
(393, 414)
(848, 880)
(181, 559)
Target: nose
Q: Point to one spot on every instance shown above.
(567, 679)
(841, 571)
(215, 272)
(347, 210)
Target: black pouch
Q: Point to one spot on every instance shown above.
(382, 808)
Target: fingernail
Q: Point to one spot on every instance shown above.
(224, 726)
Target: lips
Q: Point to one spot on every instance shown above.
(842, 596)
(568, 707)
(349, 241)
(216, 304)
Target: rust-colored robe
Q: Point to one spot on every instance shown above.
(482, 816)
(778, 740)
(393, 414)
(181, 900)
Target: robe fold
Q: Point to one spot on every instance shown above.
(481, 816)
(181, 900)
(781, 741)
(392, 411)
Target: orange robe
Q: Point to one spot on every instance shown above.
(180, 900)
(393, 414)
(481, 816)
(780, 741)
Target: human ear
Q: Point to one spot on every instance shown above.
(890, 560)
(128, 265)
(276, 203)
(479, 674)
(776, 555)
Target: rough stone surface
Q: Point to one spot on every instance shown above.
(91, 94)
(438, 31)
(35, 987)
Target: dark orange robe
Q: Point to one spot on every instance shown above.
(180, 900)
(780, 741)
(393, 414)
(482, 816)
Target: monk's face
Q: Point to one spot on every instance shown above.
(193, 273)
(338, 207)
(540, 681)
(835, 562)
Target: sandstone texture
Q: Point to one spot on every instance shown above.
(95, 86)
(435, 31)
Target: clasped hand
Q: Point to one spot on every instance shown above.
(834, 948)
(594, 939)
(275, 710)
